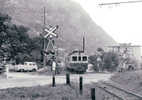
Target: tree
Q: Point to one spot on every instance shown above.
(4, 20)
(37, 50)
(100, 50)
(93, 61)
(14, 39)
(110, 61)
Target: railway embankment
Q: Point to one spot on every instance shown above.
(130, 80)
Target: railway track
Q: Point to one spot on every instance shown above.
(118, 92)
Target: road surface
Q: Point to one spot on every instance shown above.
(17, 79)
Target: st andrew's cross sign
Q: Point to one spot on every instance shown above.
(50, 35)
(50, 32)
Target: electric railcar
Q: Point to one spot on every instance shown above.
(77, 61)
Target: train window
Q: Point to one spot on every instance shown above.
(74, 58)
(79, 58)
(84, 58)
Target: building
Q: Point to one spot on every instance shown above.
(127, 50)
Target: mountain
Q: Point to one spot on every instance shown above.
(72, 19)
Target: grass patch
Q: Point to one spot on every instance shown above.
(60, 92)
(130, 80)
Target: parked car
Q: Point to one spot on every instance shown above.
(27, 66)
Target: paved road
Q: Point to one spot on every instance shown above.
(27, 79)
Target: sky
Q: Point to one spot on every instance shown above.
(122, 22)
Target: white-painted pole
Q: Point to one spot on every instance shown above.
(7, 72)
(6, 68)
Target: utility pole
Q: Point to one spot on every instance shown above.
(44, 16)
(84, 42)
(44, 40)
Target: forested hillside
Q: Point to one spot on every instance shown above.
(73, 21)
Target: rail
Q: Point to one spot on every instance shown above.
(110, 93)
(111, 90)
(124, 90)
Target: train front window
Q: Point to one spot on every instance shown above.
(74, 58)
(79, 58)
(84, 58)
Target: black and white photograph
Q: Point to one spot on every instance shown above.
(70, 50)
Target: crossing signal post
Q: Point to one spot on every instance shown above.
(49, 44)
(49, 51)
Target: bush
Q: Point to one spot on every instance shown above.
(109, 61)
(93, 61)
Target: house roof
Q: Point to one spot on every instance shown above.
(75, 51)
